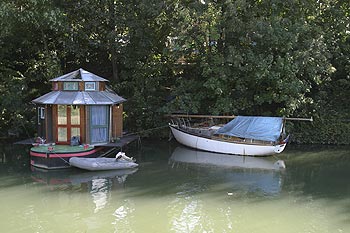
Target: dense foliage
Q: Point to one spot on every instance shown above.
(247, 57)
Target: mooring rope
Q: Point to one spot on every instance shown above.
(146, 130)
(59, 157)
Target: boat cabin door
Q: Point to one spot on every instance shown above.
(68, 123)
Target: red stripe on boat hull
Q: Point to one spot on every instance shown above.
(63, 155)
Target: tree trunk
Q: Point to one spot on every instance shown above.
(115, 68)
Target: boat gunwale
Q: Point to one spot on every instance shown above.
(223, 139)
(60, 151)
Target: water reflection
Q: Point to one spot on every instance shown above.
(240, 174)
(76, 176)
(189, 217)
(190, 156)
(99, 183)
(123, 216)
(180, 195)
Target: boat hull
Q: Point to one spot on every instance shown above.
(224, 147)
(42, 157)
(101, 164)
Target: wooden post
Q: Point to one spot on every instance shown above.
(117, 118)
(298, 119)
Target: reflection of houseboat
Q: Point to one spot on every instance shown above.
(99, 184)
(75, 176)
(77, 118)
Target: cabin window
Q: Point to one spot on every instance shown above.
(62, 114)
(62, 134)
(90, 86)
(70, 86)
(75, 120)
(75, 131)
(68, 122)
(75, 115)
(99, 124)
(42, 112)
(62, 121)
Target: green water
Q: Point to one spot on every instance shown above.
(166, 195)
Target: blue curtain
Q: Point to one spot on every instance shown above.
(99, 124)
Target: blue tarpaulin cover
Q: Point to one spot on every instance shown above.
(259, 128)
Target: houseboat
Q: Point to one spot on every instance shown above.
(78, 118)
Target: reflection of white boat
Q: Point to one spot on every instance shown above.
(190, 156)
(239, 174)
(99, 164)
(244, 135)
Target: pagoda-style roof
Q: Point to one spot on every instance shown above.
(79, 75)
(78, 94)
(107, 97)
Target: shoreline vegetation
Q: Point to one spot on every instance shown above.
(252, 58)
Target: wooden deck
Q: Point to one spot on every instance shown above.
(123, 141)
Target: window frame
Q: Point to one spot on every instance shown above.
(70, 86)
(42, 113)
(94, 84)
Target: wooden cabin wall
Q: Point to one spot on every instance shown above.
(49, 124)
(55, 86)
(47, 128)
(81, 86)
(82, 124)
(117, 118)
(101, 86)
(54, 123)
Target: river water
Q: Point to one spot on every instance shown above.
(176, 189)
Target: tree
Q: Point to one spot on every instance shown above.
(251, 57)
(217, 57)
(28, 57)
